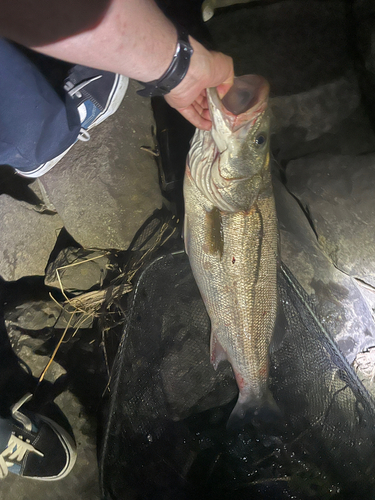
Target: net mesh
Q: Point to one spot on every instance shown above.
(165, 430)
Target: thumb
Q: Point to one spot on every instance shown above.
(223, 88)
(223, 73)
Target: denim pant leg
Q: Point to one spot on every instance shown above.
(5, 432)
(36, 125)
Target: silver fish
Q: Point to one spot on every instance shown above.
(231, 235)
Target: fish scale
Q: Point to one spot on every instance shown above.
(234, 254)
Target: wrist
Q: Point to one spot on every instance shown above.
(197, 76)
(176, 71)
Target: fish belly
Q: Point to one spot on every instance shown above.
(237, 278)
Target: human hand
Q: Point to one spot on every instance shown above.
(207, 69)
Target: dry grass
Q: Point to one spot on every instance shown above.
(98, 303)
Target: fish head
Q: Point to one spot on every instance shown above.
(240, 137)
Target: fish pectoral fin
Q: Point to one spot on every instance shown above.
(217, 351)
(214, 232)
(252, 410)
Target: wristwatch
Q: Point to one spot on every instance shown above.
(176, 71)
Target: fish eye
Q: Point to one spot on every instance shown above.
(260, 140)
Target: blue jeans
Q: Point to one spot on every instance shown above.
(35, 123)
(5, 432)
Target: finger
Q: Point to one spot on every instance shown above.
(203, 112)
(198, 108)
(195, 118)
(202, 100)
(225, 76)
(223, 88)
(206, 115)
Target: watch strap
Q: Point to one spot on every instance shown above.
(176, 71)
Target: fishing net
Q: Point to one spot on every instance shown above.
(165, 434)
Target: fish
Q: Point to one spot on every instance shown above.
(231, 236)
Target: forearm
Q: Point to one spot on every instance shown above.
(131, 37)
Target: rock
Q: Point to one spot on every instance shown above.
(363, 33)
(338, 193)
(329, 118)
(84, 478)
(335, 295)
(296, 45)
(26, 348)
(45, 204)
(368, 293)
(78, 269)
(106, 188)
(364, 366)
(27, 238)
(40, 314)
(318, 110)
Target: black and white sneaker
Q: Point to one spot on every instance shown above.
(37, 448)
(97, 95)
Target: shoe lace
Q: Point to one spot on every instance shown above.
(84, 135)
(75, 90)
(17, 447)
(19, 416)
(15, 452)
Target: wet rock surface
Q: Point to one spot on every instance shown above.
(27, 346)
(316, 100)
(330, 118)
(337, 298)
(338, 194)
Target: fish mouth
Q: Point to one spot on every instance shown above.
(243, 103)
(246, 92)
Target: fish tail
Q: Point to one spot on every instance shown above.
(249, 410)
